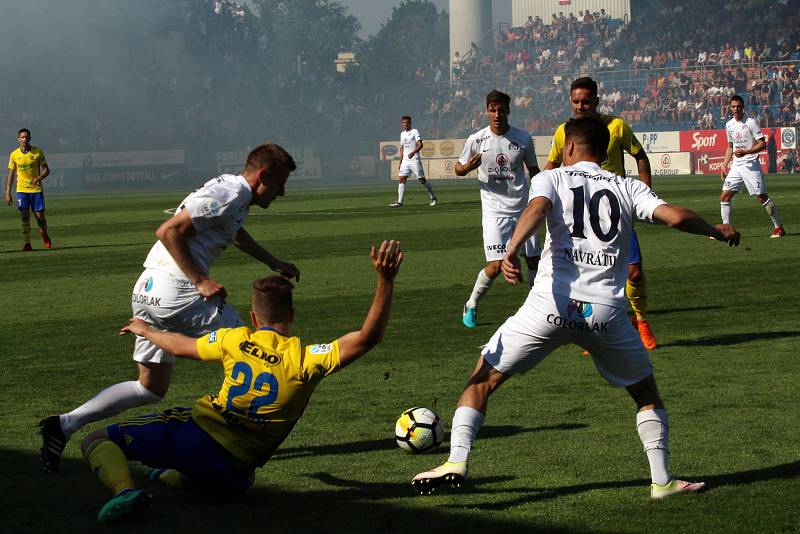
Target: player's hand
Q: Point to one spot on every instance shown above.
(387, 259)
(722, 174)
(511, 268)
(8, 200)
(37, 182)
(728, 233)
(474, 162)
(286, 270)
(135, 326)
(210, 289)
(739, 152)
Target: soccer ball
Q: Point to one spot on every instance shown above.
(418, 430)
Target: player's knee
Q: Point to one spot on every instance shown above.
(96, 437)
(422, 180)
(645, 394)
(635, 273)
(154, 379)
(492, 269)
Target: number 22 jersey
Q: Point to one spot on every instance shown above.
(589, 231)
(269, 380)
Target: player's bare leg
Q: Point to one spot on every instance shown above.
(25, 216)
(467, 420)
(652, 424)
(486, 277)
(151, 387)
(428, 187)
(772, 211)
(42, 223)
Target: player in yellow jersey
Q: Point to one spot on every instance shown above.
(583, 98)
(29, 166)
(269, 379)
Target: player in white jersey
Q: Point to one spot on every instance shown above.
(175, 292)
(578, 297)
(745, 141)
(501, 153)
(410, 161)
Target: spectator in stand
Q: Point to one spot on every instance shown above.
(765, 118)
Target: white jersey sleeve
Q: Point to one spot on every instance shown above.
(470, 148)
(218, 210)
(645, 201)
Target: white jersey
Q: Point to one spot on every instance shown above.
(408, 140)
(502, 172)
(218, 209)
(743, 134)
(589, 231)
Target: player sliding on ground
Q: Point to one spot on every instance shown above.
(175, 291)
(578, 297)
(269, 379)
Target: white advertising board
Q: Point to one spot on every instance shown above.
(662, 164)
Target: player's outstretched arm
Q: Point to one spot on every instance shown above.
(686, 220)
(174, 343)
(386, 260)
(530, 221)
(245, 242)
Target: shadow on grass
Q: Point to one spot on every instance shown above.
(34, 501)
(56, 248)
(730, 339)
(497, 431)
(529, 495)
(667, 311)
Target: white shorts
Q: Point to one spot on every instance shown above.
(497, 232)
(412, 166)
(749, 176)
(174, 305)
(545, 322)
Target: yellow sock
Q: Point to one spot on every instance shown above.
(171, 477)
(637, 295)
(26, 231)
(108, 462)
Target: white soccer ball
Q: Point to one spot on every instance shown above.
(418, 430)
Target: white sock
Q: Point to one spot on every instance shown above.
(466, 423)
(110, 401)
(427, 185)
(653, 428)
(772, 211)
(482, 285)
(401, 191)
(725, 208)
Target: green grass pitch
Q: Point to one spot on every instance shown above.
(559, 451)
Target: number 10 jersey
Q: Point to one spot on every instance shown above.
(589, 229)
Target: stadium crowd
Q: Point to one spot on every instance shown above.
(682, 84)
(224, 91)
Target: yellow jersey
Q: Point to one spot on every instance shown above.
(269, 379)
(622, 140)
(28, 166)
